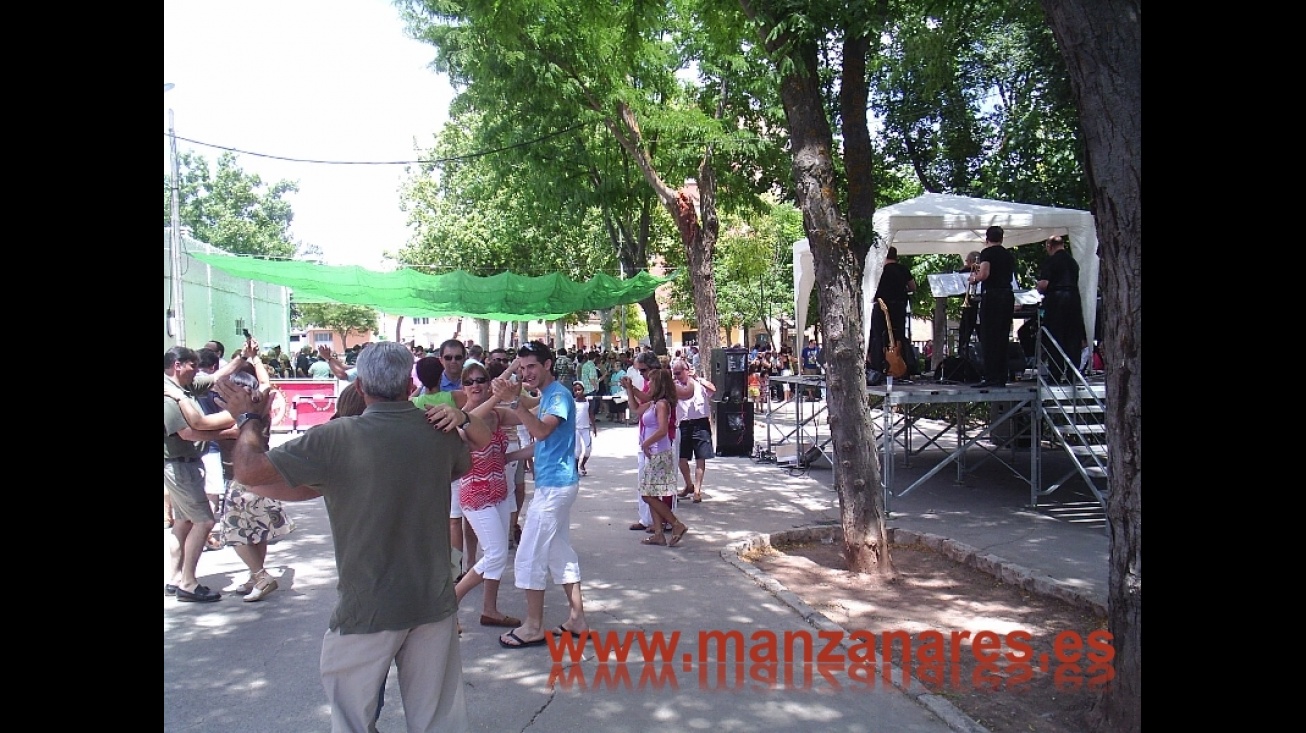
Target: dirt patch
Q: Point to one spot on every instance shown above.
(934, 600)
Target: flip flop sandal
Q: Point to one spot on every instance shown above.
(654, 540)
(518, 643)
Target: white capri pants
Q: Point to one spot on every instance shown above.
(491, 526)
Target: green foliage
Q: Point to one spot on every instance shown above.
(616, 80)
(338, 317)
(975, 100)
(966, 97)
(529, 210)
(753, 263)
(636, 326)
(231, 209)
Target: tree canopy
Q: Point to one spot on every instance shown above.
(233, 210)
(340, 318)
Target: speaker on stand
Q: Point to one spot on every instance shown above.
(730, 374)
(734, 411)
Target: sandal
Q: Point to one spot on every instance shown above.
(698, 498)
(656, 539)
(686, 492)
(263, 586)
(679, 534)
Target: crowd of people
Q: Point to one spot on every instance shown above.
(422, 470)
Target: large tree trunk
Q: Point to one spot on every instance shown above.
(698, 252)
(1101, 41)
(838, 260)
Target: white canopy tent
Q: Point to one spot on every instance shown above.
(943, 223)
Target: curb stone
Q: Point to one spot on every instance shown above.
(959, 552)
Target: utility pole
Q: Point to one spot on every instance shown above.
(177, 314)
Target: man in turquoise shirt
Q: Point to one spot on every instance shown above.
(545, 547)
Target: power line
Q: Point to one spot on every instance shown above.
(740, 136)
(468, 156)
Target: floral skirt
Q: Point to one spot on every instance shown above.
(250, 519)
(658, 476)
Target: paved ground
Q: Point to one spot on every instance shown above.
(233, 665)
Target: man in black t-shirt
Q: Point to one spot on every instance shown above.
(1063, 316)
(997, 267)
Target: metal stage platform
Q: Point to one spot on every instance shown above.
(997, 423)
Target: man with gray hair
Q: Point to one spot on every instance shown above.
(386, 477)
(694, 426)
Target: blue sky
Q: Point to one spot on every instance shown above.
(321, 79)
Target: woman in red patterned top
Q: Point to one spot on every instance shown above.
(483, 497)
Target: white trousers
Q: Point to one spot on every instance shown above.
(491, 526)
(545, 549)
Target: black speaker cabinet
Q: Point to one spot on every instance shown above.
(734, 428)
(730, 375)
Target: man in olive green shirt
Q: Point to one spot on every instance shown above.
(385, 476)
(185, 430)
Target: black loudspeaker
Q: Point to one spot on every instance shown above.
(1017, 361)
(730, 375)
(957, 369)
(734, 429)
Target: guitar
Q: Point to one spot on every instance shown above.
(892, 354)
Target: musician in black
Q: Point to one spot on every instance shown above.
(896, 287)
(969, 307)
(1063, 315)
(997, 269)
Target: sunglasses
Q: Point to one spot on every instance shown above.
(454, 357)
(500, 359)
(475, 380)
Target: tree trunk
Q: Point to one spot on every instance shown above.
(698, 243)
(657, 335)
(838, 262)
(698, 251)
(1101, 41)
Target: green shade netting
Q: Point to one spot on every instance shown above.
(502, 297)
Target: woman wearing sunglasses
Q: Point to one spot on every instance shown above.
(484, 499)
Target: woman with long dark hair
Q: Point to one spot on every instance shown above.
(657, 474)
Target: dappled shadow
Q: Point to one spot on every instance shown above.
(231, 663)
(936, 598)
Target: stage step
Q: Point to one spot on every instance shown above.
(1075, 416)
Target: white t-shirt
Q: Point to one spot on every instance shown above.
(583, 415)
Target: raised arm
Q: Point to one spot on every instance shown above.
(340, 371)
